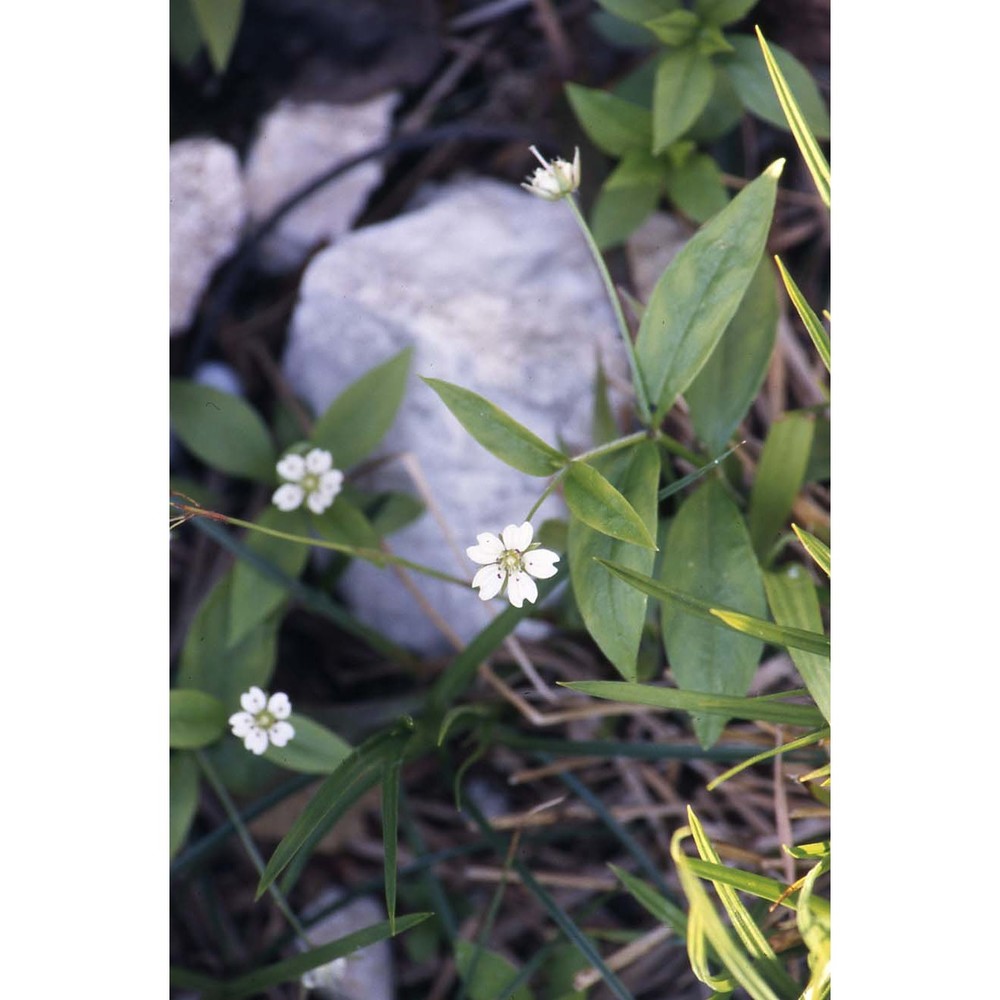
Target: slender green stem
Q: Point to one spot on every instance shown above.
(676, 448)
(556, 479)
(248, 845)
(642, 400)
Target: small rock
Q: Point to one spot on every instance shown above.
(651, 248)
(207, 213)
(218, 375)
(497, 292)
(299, 141)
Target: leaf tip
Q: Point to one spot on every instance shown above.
(775, 169)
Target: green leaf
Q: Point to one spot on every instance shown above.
(701, 289)
(252, 596)
(639, 11)
(696, 187)
(792, 596)
(343, 523)
(701, 702)
(222, 430)
(815, 329)
(808, 146)
(355, 775)
(592, 499)
(710, 40)
(657, 904)
(730, 379)
(721, 114)
(708, 556)
(748, 72)
(390, 834)
(677, 28)
(292, 969)
(777, 635)
(684, 82)
(219, 22)
(815, 930)
(780, 474)
(613, 125)
(605, 426)
(614, 612)
(390, 512)
(313, 750)
(185, 35)
(485, 973)
(352, 426)
(183, 798)
(497, 432)
(818, 469)
(797, 744)
(196, 719)
(815, 548)
(626, 198)
(722, 12)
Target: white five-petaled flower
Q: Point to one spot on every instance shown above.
(311, 478)
(262, 720)
(511, 559)
(554, 180)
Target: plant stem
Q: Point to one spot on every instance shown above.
(642, 400)
(248, 845)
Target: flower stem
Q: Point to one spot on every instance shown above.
(248, 845)
(642, 400)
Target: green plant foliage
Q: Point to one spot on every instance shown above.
(613, 611)
(627, 197)
(352, 426)
(485, 973)
(750, 78)
(695, 187)
(252, 596)
(720, 115)
(343, 523)
(613, 125)
(314, 749)
(780, 475)
(684, 81)
(656, 903)
(730, 379)
(390, 833)
(222, 430)
(185, 35)
(708, 555)
(817, 549)
(184, 777)
(815, 329)
(390, 512)
(196, 719)
(639, 11)
(722, 12)
(219, 22)
(701, 289)
(497, 432)
(792, 597)
(677, 28)
(594, 501)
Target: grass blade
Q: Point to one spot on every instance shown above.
(815, 548)
(815, 329)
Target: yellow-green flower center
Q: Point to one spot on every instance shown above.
(511, 560)
(310, 482)
(265, 719)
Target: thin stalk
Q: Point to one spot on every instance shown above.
(248, 845)
(645, 413)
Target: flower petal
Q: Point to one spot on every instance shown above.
(288, 497)
(279, 706)
(330, 482)
(521, 588)
(515, 537)
(256, 740)
(254, 700)
(319, 461)
(318, 502)
(292, 467)
(487, 551)
(241, 723)
(280, 733)
(489, 580)
(540, 563)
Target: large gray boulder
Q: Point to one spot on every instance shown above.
(496, 291)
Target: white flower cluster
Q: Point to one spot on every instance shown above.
(262, 720)
(511, 560)
(311, 478)
(554, 180)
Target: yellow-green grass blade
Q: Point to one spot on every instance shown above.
(802, 741)
(815, 329)
(815, 548)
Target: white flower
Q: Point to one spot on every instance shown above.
(554, 180)
(511, 559)
(311, 478)
(263, 720)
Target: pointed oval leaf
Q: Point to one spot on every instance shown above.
(253, 597)
(684, 82)
(730, 379)
(614, 612)
(497, 432)
(676, 28)
(696, 187)
(722, 12)
(614, 125)
(196, 719)
(313, 749)
(701, 289)
(708, 555)
(780, 475)
(352, 426)
(815, 329)
(626, 198)
(817, 549)
(219, 24)
(222, 430)
(485, 973)
(639, 11)
(592, 499)
(183, 798)
(748, 71)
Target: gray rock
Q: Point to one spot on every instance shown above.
(299, 141)
(496, 291)
(207, 213)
